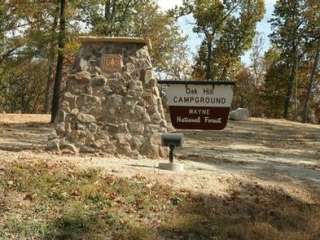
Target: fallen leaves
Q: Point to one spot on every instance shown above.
(28, 197)
(102, 202)
(10, 183)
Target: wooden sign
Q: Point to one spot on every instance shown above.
(199, 104)
(111, 63)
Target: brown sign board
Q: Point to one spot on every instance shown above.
(199, 104)
(111, 63)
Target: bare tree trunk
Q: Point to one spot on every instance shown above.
(58, 76)
(291, 80)
(289, 93)
(208, 61)
(224, 71)
(51, 61)
(109, 15)
(311, 80)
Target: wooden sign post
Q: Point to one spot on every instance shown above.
(199, 104)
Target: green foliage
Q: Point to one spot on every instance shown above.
(22, 86)
(28, 36)
(288, 26)
(28, 47)
(228, 28)
(141, 19)
(247, 93)
(24, 54)
(275, 89)
(112, 17)
(285, 79)
(296, 33)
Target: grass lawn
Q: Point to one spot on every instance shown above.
(59, 201)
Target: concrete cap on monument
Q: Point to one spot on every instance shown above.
(98, 39)
(112, 60)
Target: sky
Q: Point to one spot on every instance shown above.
(194, 40)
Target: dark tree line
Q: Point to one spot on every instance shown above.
(283, 82)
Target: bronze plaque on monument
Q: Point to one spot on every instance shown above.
(111, 63)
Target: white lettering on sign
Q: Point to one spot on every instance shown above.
(200, 95)
(188, 120)
(212, 120)
(199, 111)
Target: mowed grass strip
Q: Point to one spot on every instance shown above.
(59, 201)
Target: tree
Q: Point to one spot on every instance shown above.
(24, 41)
(51, 58)
(176, 67)
(31, 33)
(310, 84)
(228, 28)
(60, 58)
(9, 22)
(111, 17)
(275, 83)
(312, 48)
(139, 18)
(288, 25)
(23, 87)
(257, 67)
(246, 93)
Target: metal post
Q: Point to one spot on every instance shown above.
(171, 153)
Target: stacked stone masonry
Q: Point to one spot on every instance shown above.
(111, 112)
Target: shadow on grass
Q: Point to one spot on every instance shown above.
(143, 166)
(297, 143)
(24, 136)
(264, 133)
(249, 213)
(80, 225)
(65, 203)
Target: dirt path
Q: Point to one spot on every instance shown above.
(274, 150)
(20, 132)
(275, 153)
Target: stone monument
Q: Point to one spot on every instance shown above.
(111, 103)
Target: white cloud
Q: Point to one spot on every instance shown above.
(167, 4)
(270, 1)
